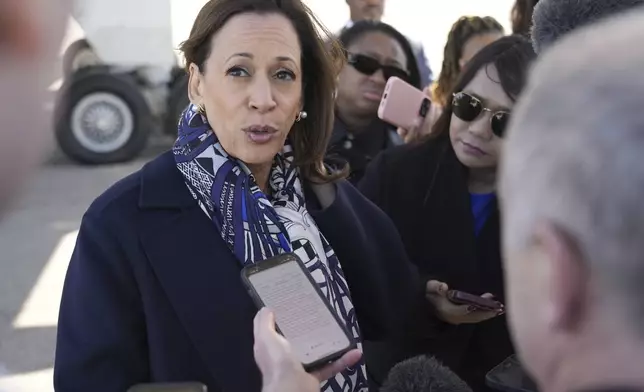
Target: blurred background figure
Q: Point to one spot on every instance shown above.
(374, 10)
(375, 52)
(441, 194)
(554, 18)
(572, 185)
(468, 35)
(31, 32)
(521, 16)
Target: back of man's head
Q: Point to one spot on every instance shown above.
(572, 194)
(554, 18)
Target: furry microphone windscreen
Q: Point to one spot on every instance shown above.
(423, 374)
(554, 18)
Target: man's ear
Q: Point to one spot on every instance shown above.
(569, 277)
(195, 84)
(20, 31)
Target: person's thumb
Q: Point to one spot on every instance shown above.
(349, 359)
(437, 287)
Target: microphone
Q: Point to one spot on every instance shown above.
(423, 374)
(552, 19)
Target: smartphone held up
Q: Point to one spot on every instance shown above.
(302, 313)
(402, 104)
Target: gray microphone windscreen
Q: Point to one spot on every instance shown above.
(554, 18)
(423, 374)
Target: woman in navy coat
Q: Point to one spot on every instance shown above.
(153, 291)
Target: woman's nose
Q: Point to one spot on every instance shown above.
(480, 127)
(261, 96)
(378, 77)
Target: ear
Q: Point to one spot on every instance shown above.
(19, 29)
(568, 276)
(195, 84)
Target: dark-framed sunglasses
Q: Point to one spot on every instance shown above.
(368, 66)
(468, 108)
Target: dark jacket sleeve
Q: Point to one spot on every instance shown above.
(383, 283)
(101, 344)
(374, 185)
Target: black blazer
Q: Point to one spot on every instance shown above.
(342, 150)
(423, 189)
(153, 294)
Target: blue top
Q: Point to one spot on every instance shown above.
(481, 209)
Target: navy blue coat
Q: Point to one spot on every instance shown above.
(153, 294)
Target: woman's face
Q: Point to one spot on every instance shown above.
(251, 85)
(475, 44)
(359, 94)
(474, 142)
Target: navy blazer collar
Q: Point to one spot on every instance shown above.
(163, 186)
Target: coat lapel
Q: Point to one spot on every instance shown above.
(447, 215)
(199, 274)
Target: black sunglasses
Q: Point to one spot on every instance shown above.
(368, 66)
(468, 108)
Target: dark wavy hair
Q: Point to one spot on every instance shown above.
(521, 16)
(511, 56)
(462, 30)
(319, 69)
(360, 28)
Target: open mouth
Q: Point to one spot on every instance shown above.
(260, 133)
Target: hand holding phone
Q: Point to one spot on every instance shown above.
(281, 369)
(453, 313)
(403, 105)
(304, 317)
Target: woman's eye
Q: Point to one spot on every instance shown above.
(237, 72)
(285, 75)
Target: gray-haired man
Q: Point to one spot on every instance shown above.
(572, 194)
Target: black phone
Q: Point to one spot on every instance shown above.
(509, 376)
(169, 387)
(463, 298)
(302, 313)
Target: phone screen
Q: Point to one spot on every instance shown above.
(301, 314)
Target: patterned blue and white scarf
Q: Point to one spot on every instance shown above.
(256, 228)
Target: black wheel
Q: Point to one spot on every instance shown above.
(177, 101)
(79, 54)
(101, 117)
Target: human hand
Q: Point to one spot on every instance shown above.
(436, 293)
(280, 368)
(422, 125)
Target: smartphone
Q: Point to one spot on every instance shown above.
(302, 314)
(169, 387)
(463, 298)
(509, 376)
(402, 104)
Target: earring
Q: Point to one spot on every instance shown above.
(301, 116)
(200, 108)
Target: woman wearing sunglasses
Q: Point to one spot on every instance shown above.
(375, 52)
(440, 193)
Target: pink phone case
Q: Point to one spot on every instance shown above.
(402, 104)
